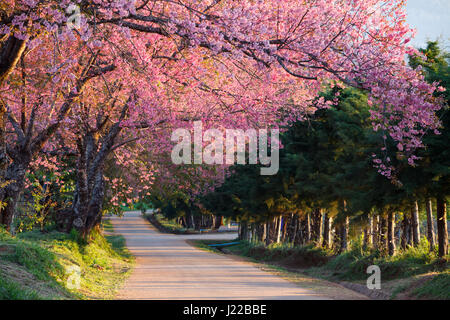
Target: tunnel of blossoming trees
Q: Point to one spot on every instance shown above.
(91, 93)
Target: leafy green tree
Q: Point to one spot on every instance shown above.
(433, 174)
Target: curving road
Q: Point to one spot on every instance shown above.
(169, 268)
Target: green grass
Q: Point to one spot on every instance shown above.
(10, 290)
(438, 287)
(352, 265)
(299, 257)
(416, 271)
(37, 265)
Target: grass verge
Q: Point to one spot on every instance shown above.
(414, 273)
(54, 265)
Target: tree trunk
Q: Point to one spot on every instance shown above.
(296, 228)
(30, 143)
(272, 230)
(218, 222)
(405, 231)
(279, 224)
(240, 231)
(14, 180)
(383, 234)
(8, 212)
(92, 153)
(88, 203)
(182, 222)
(317, 226)
(254, 233)
(243, 231)
(10, 54)
(286, 229)
(442, 226)
(265, 233)
(344, 236)
(415, 224)
(4, 159)
(372, 231)
(376, 232)
(326, 231)
(391, 238)
(188, 220)
(308, 228)
(430, 224)
(95, 207)
(197, 221)
(366, 237)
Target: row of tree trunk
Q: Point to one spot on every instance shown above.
(381, 232)
(197, 222)
(315, 227)
(17, 154)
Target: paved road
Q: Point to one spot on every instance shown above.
(169, 268)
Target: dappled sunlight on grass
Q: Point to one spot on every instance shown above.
(46, 259)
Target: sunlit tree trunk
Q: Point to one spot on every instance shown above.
(383, 230)
(279, 225)
(442, 226)
(391, 238)
(415, 223)
(372, 238)
(405, 231)
(430, 224)
(366, 237)
(10, 53)
(376, 232)
(344, 235)
(308, 228)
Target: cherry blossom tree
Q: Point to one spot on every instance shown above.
(132, 71)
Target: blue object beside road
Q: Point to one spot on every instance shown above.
(223, 244)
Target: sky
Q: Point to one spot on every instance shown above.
(431, 19)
